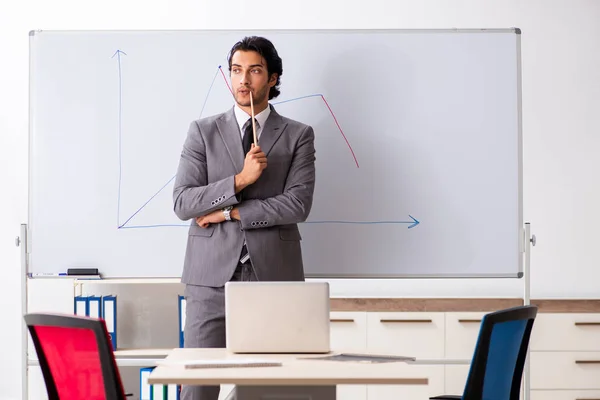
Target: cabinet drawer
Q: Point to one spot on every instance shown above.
(36, 386)
(348, 331)
(565, 370)
(462, 331)
(456, 378)
(566, 332)
(565, 395)
(413, 334)
(434, 373)
(351, 392)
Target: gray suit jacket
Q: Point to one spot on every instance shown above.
(270, 210)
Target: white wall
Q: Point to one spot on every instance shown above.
(561, 123)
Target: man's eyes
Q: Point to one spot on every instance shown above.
(254, 71)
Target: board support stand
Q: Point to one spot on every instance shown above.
(528, 241)
(22, 242)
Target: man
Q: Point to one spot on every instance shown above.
(244, 204)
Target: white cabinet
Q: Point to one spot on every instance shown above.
(415, 334)
(36, 386)
(455, 378)
(434, 373)
(565, 370)
(348, 331)
(566, 332)
(462, 331)
(45, 295)
(565, 357)
(349, 334)
(565, 395)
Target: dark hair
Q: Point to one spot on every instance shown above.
(265, 48)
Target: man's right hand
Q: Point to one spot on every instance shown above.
(254, 164)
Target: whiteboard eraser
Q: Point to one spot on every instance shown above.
(82, 271)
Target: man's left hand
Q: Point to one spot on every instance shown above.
(214, 217)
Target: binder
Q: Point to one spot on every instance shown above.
(94, 307)
(109, 314)
(181, 319)
(158, 392)
(81, 306)
(145, 389)
(173, 392)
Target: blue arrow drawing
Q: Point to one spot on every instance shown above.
(118, 54)
(412, 223)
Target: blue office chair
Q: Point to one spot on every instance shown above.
(499, 357)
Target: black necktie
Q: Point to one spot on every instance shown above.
(247, 140)
(246, 144)
(248, 136)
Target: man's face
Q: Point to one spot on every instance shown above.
(249, 74)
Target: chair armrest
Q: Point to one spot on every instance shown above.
(446, 397)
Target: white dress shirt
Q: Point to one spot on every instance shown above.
(242, 118)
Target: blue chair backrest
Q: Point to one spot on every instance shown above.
(500, 352)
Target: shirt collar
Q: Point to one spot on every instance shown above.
(241, 117)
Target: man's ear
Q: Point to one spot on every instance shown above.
(273, 79)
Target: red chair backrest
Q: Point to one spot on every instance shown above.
(76, 357)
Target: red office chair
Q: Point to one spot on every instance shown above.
(76, 357)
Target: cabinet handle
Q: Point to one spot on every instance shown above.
(411, 321)
(587, 361)
(341, 320)
(587, 323)
(465, 321)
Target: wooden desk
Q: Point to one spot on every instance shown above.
(296, 376)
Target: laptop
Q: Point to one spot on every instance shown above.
(277, 317)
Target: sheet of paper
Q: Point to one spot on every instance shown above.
(222, 363)
(440, 361)
(363, 358)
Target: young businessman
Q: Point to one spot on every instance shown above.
(244, 199)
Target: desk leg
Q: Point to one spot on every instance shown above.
(282, 393)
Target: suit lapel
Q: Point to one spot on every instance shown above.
(230, 132)
(274, 127)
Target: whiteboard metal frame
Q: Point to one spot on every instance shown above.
(519, 272)
(515, 30)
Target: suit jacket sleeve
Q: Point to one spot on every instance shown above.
(294, 204)
(193, 196)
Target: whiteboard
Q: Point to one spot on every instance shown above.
(418, 147)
